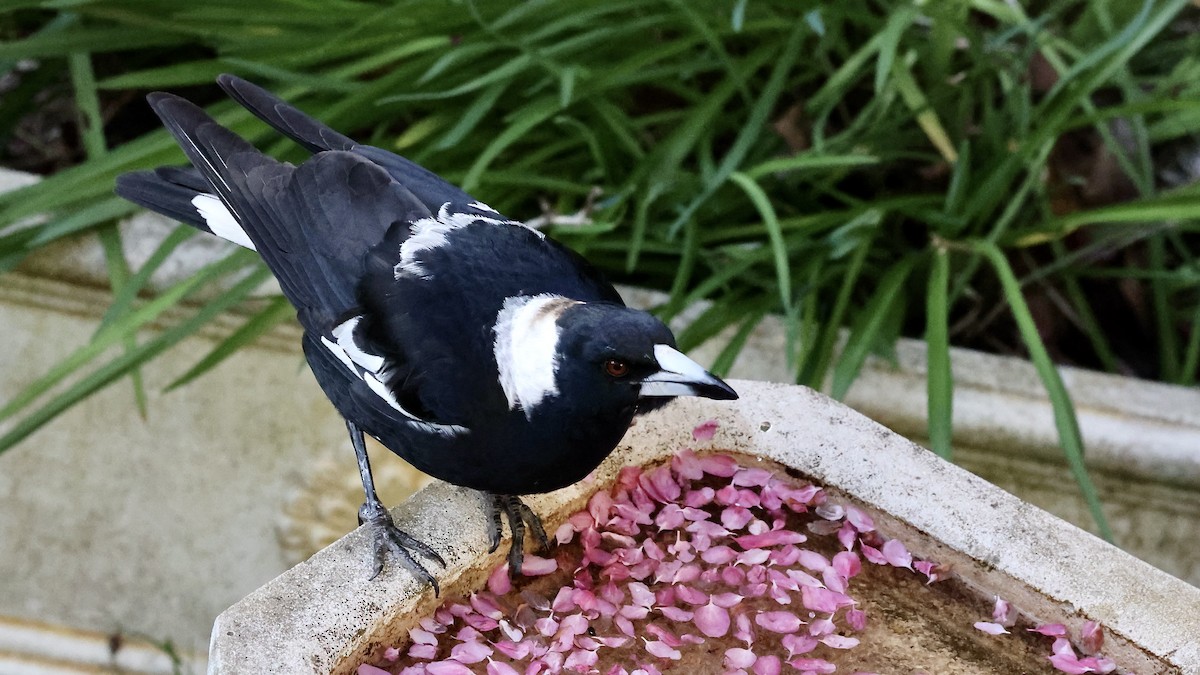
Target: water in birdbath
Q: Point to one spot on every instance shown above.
(717, 563)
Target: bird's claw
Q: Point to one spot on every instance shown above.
(387, 539)
(518, 515)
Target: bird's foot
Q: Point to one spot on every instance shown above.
(518, 515)
(386, 537)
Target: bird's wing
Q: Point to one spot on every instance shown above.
(426, 186)
(312, 224)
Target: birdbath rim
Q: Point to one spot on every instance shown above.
(325, 616)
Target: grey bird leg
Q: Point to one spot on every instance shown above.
(386, 536)
(518, 515)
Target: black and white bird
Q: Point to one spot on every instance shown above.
(478, 349)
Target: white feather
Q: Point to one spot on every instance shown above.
(344, 334)
(220, 220)
(432, 232)
(526, 348)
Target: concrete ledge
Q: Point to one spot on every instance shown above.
(325, 615)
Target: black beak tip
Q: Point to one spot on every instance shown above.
(719, 391)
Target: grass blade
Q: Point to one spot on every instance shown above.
(939, 378)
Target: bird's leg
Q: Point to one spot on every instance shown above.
(518, 515)
(386, 536)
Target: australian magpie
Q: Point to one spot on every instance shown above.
(478, 349)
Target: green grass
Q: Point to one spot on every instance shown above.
(881, 168)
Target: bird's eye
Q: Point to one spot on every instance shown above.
(616, 368)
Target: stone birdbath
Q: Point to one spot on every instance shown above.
(895, 561)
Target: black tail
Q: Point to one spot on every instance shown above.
(427, 186)
(312, 225)
(155, 190)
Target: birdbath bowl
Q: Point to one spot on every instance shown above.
(326, 616)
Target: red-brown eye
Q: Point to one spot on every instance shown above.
(616, 368)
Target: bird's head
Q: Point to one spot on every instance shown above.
(599, 356)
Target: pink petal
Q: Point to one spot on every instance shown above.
(722, 466)
(840, 641)
(705, 430)
(772, 538)
(513, 650)
(421, 636)
(823, 600)
(470, 652)
(501, 668)
(668, 638)
(367, 669)
(499, 581)
(447, 668)
(1062, 646)
(847, 535)
(580, 660)
(662, 651)
(676, 613)
(753, 477)
(858, 518)
(1050, 630)
(712, 620)
(897, 554)
(486, 604)
(719, 555)
(1070, 664)
(812, 560)
(847, 564)
(691, 595)
(422, 651)
(697, 498)
(991, 628)
(670, 517)
(812, 665)
(735, 517)
(821, 627)
(768, 665)
(857, 619)
(743, 630)
(535, 566)
(1003, 613)
(833, 581)
(480, 622)
(873, 555)
(726, 600)
(1091, 637)
(798, 644)
(391, 654)
(737, 657)
(755, 556)
(779, 622)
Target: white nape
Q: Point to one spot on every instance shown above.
(432, 232)
(526, 348)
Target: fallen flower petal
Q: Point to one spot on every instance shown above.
(799, 644)
(1091, 637)
(447, 668)
(722, 466)
(499, 582)
(839, 641)
(366, 669)
(812, 665)
(858, 519)
(857, 619)
(737, 657)
(662, 650)
(897, 554)
(712, 620)
(501, 668)
(768, 665)
(1050, 630)
(991, 628)
(779, 622)
(705, 430)
(1003, 613)
(470, 652)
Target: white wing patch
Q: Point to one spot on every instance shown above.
(220, 220)
(526, 346)
(372, 369)
(432, 232)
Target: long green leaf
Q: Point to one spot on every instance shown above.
(1064, 410)
(939, 379)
